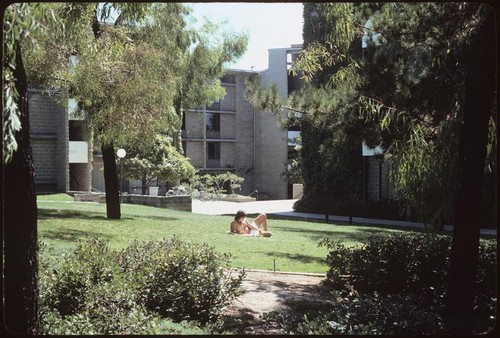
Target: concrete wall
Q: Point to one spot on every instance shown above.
(182, 203)
(49, 141)
(271, 140)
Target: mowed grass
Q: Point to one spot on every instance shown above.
(293, 246)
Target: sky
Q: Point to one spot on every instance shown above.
(268, 24)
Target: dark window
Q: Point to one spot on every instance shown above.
(213, 151)
(215, 105)
(183, 127)
(213, 122)
(227, 79)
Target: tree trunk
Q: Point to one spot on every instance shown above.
(480, 88)
(144, 186)
(111, 182)
(20, 247)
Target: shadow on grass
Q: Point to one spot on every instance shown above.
(357, 234)
(60, 214)
(72, 235)
(300, 258)
(44, 214)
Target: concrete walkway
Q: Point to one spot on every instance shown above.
(285, 208)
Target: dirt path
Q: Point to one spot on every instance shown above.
(266, 292)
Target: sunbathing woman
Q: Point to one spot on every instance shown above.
(241, 226)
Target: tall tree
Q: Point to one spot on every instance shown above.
(480, 90)
(417, 85)
(134, 85)
(19, 211)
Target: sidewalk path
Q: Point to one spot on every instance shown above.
(285, 208)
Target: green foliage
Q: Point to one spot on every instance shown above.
(393, 286)
(159, 160)
(99, 291)
(89, 265)
(203, 64)
(414, 88)
(21, 23)
(213, 186)
(408, 88)
(399, 263)
(181, 281)
(371, 314)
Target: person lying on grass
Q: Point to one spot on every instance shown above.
(241, 226)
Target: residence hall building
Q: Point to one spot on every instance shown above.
(231, 135)
(228, 135)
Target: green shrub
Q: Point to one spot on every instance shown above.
(90, 264)
(403, 263)
(395, 285)
(180, 280)
(99, 291)
(213, 186)
(398, 263)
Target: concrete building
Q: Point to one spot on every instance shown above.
(49, 132)
(228, 135)
(231, 135)
(220, 137)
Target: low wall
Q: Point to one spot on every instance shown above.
(182, 203)
(87, 196)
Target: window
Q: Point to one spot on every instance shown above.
(213, 151)
(227, 79)
(215, 105)
(213, 122)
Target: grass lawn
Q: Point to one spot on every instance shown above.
(293, 246)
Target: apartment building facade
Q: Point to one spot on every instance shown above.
(228, 135)
(220, 137)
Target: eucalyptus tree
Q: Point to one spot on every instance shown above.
(128, 82)
(22, 22)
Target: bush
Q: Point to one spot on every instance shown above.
(384, 209)
(180, 280)
(213, 186)
(99, 291)
(403, 263)
(89, 265)
(394, 285)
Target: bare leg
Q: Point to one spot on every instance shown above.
(261, 220)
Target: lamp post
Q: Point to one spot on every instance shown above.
(121, 154)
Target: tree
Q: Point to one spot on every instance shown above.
(203, 67)
(479, 102)
(331, 133)
(138, 79)
(421, 85)
(19, 210)
(157, 160)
